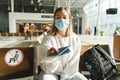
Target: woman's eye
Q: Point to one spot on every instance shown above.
(61, 18)
(64, 17)
(57, 17)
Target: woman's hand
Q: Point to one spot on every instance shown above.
(52, 50)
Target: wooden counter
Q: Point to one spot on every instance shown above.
(116, 46)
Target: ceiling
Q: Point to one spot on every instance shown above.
(41, 6)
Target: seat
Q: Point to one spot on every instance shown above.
(83, 68)
(22, 34)
(18, 62)
(83, 49)
(4, 34)
(16, 34)
(35, 34)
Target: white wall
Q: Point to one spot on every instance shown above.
(31, 17)
(84, 20)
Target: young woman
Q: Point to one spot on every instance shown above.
(66, 67)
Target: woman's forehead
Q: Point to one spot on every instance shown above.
(62, 12)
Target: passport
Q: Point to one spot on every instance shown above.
(61, 51)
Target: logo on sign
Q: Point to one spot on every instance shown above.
(13, 57)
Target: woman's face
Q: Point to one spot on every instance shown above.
(62, 15)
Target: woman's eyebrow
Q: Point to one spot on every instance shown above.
(57, 15)
(63, 15)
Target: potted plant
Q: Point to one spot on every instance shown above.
(101, 32)
(117, 30)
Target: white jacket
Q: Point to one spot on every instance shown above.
(66, 65)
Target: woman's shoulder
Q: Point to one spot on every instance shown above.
(75, 36)
(49, 36)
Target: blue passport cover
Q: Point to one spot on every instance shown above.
(61, 51)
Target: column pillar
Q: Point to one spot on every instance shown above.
(12, 5)
(98, 17)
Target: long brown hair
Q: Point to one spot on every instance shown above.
(69, 30)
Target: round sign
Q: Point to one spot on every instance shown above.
(13, 57)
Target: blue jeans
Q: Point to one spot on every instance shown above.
(48, 76)
(52, 76)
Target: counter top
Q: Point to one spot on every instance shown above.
(15, 41)
(85, 39)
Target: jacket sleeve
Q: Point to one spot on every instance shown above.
(72, 66)
(47, 66)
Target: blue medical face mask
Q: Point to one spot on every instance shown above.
(61, 24)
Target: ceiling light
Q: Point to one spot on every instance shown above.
(8, 8)
(40, 4)
(35, 9)
(38, 1)
(31, 2)
(8, 5)
(66, 3)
